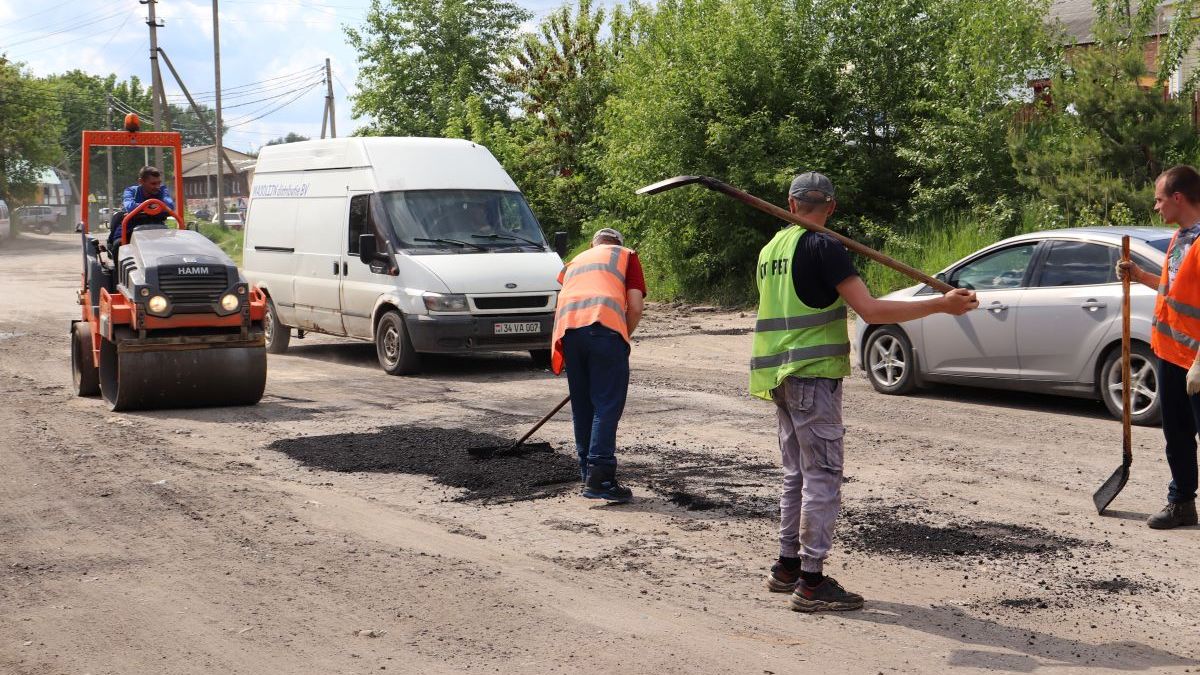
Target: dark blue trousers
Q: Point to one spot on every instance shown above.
(597, 362)
(1180, 420)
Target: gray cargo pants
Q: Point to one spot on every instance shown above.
(809, 411)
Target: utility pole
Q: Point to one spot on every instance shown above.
(156, 96)
(108, 152)
(195, 108)
(329, 101)
(217, 64)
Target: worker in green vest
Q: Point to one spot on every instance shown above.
(801, 353)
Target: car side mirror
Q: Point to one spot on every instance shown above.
(368, 248)
(560, 244)
(940, 276)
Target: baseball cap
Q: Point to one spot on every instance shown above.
(811, 187)
(611, 233)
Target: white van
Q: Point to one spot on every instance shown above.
(418, 244)
(6, 230)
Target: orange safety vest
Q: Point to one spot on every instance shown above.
(1175, 335)
(593, 291)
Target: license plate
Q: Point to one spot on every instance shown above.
(517, 328)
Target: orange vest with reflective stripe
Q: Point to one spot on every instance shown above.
(593, 291)
(1175, 336)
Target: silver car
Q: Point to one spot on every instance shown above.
(1049, 321)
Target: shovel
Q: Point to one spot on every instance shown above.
(783, 214)
(489, 451)
(1112, 487)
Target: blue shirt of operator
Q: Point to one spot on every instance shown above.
(134, 195)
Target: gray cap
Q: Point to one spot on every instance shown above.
(609, 233)
(811, 187)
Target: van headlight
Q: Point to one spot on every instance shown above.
(229, 302)
(438, 302)
(157, 304)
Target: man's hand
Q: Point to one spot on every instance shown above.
(959, 301)
(1128, 268)
(1193, 377)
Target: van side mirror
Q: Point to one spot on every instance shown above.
(560, 244)
(368, 250)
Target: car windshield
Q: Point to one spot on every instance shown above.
(1160, 244)
(464, 221)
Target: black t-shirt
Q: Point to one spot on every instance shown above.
(820, 264)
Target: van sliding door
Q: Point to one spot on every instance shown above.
(319, 226)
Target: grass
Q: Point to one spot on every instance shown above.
(230, 241)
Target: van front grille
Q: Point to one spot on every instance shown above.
(512, 302)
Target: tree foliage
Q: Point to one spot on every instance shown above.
(292, 137)
(421, 60)
(30, 126)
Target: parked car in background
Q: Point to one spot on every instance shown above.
(233, 221)
(6, 228)
(1049, 321)
(43, 219)
(204, 214)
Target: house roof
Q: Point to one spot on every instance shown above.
(1077, 16)
(200, 160)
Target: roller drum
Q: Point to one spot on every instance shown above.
(181, 378)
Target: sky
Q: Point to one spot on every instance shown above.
(278, 47)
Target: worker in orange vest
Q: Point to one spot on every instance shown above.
(599, 307)
(1175, 339)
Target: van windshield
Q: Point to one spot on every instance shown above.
(466, 221)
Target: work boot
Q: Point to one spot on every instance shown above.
(1175, 514)
(784, 575)
(602, 484)
(827, 596)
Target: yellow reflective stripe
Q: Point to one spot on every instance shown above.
(592, 302)
(610, 266)
(801, 321)
(1181, 338)
(799, 354)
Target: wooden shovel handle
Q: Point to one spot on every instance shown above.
(1126, 369)
(542, 421)
(783, 214)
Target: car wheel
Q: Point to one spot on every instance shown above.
(278, 336)
(889, 361)
(44, 228)
(1144, 406)
(393, 346)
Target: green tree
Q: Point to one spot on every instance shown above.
(421, 60)
(31, 126)
(1111, 129)
(292, 137)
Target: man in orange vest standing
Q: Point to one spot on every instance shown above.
(599, 306)
(1175, 339)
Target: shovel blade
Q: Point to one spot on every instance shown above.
(669, 184)
(1111, 488)
(490, 451)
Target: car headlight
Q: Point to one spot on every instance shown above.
(229, 302)
(157, 304)
(437, 302)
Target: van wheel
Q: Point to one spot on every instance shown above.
(393, 347)
(278, 335)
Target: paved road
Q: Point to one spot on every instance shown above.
(185, 542)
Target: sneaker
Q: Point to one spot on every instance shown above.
(827, 596)
(783, 578)
(602, 484)
(1175, 514)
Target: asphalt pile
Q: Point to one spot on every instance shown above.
(535, 472)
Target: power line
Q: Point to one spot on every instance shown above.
(272, 111)
(73, 27)
(52, 8)
(242, 91)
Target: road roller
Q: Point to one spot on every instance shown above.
(167, 319)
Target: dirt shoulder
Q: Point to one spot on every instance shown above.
(341, 527)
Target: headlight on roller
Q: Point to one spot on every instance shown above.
(229, 302)
(157, 304)
(437, 302)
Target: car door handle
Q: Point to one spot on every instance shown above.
(1092, 305)
(337, 268)
(997, 307)
(345, 269)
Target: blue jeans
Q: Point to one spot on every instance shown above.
(1180, 420)
(597, 361)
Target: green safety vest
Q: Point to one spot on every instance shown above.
(791, 338)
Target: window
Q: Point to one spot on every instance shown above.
(358, 221)
(433, 220)
(996, 270)
(1078, 263)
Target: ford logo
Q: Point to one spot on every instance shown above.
(510, 285)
